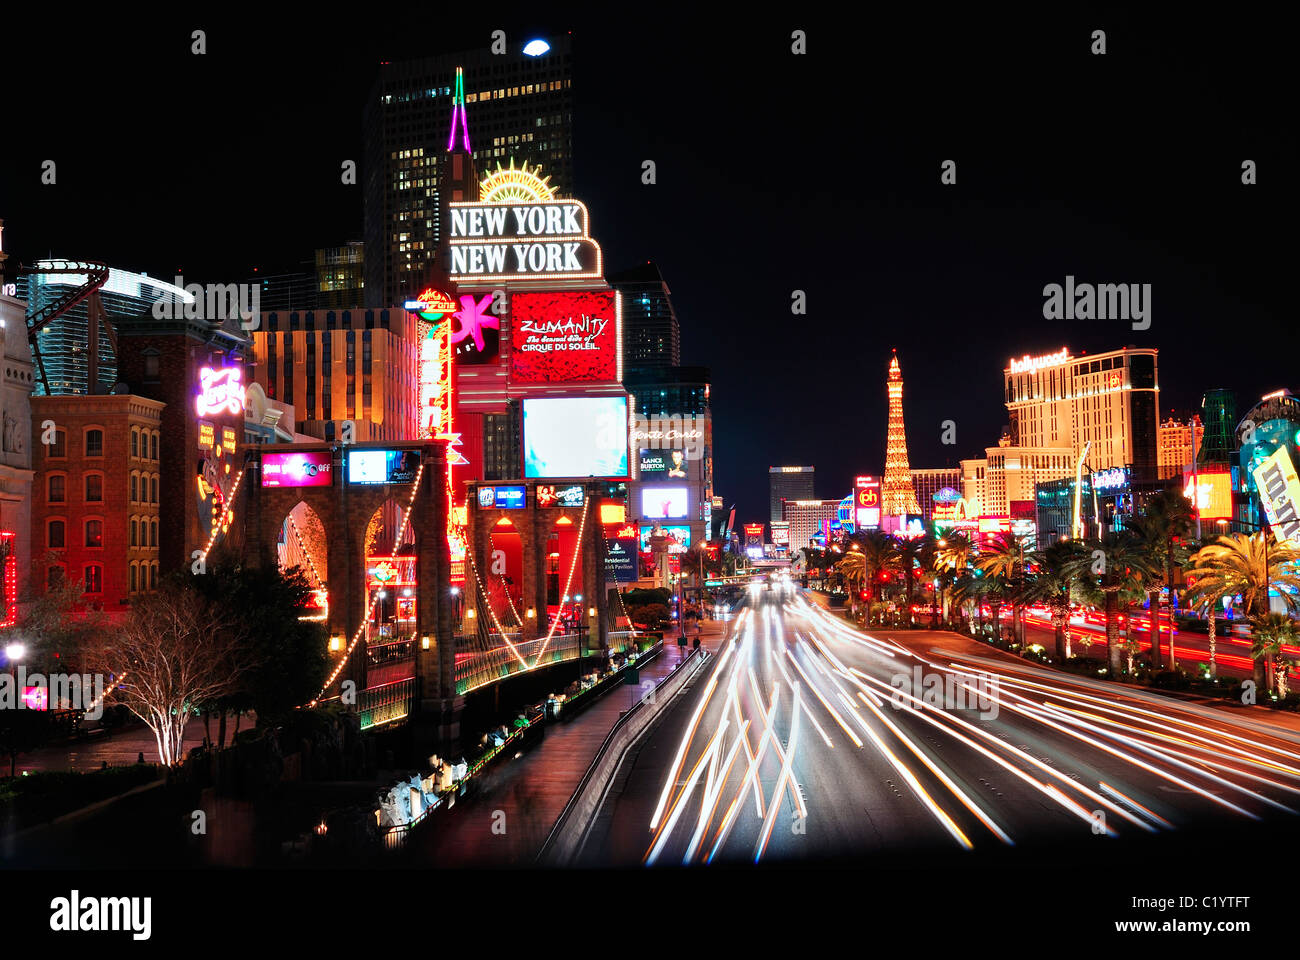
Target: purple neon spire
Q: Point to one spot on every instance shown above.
(458, 109)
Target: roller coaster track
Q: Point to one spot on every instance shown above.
(96, 276)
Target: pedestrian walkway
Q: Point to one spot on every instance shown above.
(122, 748)
(533, 789)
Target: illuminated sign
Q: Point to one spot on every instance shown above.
(613, 513)
(307, 469)
(994, 525)
(515, 185)
(1024, 528)
(667, 502)
(8, 579)
(665, 463)
(781, 533)
(502, 498)
(552, 496)
(475, 332)
(565, 337)
(431, 304)
(207, 435)
(522, 241)
(1210, 493)
(794, 469)
(866, 502)
(754, 536)
(946, 495)
(383, 466)
(575, 437)
(220, 390)
(1028, 364)
(1113, 479)
(228, 439)
(678, 534)
(620, 558)
(1279, 491)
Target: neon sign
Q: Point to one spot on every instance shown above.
(1028, 364)
(1111, 479)
(524, 241)
(431, 304)
(220, 390)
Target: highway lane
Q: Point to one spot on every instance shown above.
(805, 740)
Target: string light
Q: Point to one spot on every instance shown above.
(224, 523)
(568, 582)
(356, 638)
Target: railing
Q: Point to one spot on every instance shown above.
(385, 704)
(377, 653)
(480, 669)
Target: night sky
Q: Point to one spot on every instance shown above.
(775, 172)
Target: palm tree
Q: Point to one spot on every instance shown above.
(951, 558)
(878, 556)
(1058, 569)
(1209, 583)
(1238, 560)
(1270, 631)
(1002, 561)
(909, 553)
(970, 589)
(1115, 560)
(1165, 523)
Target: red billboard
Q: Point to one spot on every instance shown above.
(565, 337)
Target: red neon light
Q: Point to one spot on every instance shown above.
(10, 612)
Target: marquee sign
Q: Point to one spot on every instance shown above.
(522, 241)
(431, 304)
(1028, 364)
(566, 337)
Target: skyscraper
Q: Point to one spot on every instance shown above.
(651, 333)
(898, 496)
(788, 483)
(1219, 414)
(340, 276)
(523, 110)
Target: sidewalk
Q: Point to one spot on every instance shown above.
(123, 748)
(532, 790)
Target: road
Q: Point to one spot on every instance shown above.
(806, 740)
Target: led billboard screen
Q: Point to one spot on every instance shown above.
(383, 466)
(1213, 493)
(550, 495)
(307, 469)
(678, 534)
(568, 336)
(663, 463)
(575, 437)
(502, 498)
(667, 502)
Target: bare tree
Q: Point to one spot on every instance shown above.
(176, 652)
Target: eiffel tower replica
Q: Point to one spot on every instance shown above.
(898, 496)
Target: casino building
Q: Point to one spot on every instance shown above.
(1109, 400)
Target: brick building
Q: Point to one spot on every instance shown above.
(95, 506)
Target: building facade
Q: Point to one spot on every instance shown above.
(788, 483)
(1180, 443)
(929, 481)
(337, 365)
(15, 458)
(651, 333)
(523, 112)
(1007, 474)
(805, 518)
(1110, 401)
(340, 277)
(95, 511)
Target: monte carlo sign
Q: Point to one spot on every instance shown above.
(541, 240)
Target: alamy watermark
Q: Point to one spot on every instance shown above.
(21, 690)
(1102, 301)
(947, 691)
(214, 302)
